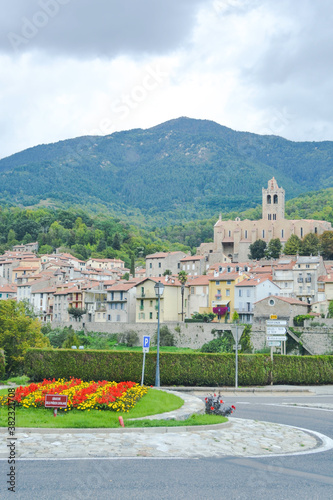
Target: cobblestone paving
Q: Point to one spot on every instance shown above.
(238, 438)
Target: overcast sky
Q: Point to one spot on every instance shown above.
(79, 67)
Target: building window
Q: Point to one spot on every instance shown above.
(269, 199)
(316, 230)
(228, 282)
(217, 283)
(229, 269)
(248, 293)
(301, 232)
(263, 233)
(271, 302)
(192, 290)
(159, 264)
(282, 233)
(227, 292)
(150, 315)
(245, 234)
(240, 292)
(275, 199)
(274, 216)
(229, 233)
(150, 265)
(269, 216)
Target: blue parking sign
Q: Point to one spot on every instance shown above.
(146, 342)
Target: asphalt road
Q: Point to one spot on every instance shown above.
(295, 477)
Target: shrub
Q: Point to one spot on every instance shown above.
(166, 337)
(192, 369)
(129, 338)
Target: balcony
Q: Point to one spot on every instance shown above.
(308, 280)
(299, 280)
(218, 296)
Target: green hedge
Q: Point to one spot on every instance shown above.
(192, 369)
(2, 364)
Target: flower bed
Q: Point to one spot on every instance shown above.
(101, 395)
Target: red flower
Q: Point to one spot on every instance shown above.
(214, 394)
(205, 399)
(212, 408)
(221, 401)
(234, 407)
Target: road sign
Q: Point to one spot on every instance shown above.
(275, 330)
(146, 342)
(56, 401)
(234, 347)
(274, 344)
(276, 322)
(276, 337)
(273, 316)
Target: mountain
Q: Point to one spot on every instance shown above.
(183, 169)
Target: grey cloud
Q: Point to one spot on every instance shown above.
(104, 28)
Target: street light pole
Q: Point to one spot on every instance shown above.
(159, 289)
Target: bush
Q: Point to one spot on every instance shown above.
(166, 337)
(129, 338)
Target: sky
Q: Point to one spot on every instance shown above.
(81, 67)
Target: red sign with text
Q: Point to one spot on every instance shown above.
(56, 401)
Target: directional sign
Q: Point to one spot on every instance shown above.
(275, 330)
(274, 344)
(146, 342)
(276, 322)
(276, 337)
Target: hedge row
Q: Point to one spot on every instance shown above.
(193, 369)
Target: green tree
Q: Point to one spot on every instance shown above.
(310, 245)
(257, 250)
(76, 312)
(326, 245)
(274, 249)
(132, 267)
(330, 309)
(18, 332)
(293, 245)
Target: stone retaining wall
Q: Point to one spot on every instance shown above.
(194, 335)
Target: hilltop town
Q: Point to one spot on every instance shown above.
(101, 294)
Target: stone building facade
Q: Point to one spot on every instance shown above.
(232, 239)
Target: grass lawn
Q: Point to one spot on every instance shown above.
(152, 403)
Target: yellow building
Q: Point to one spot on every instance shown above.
(170, 301)
(222, 291)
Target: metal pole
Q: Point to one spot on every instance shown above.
(157, 378)
(143, 368)
(236, 377)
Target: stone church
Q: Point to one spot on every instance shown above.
(232, 238)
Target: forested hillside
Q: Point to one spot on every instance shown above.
(178, 171)
(85, 235)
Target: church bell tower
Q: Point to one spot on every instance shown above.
(273, 201)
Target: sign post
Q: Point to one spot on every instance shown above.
(146, 342)
(275, 334)
(235, 330)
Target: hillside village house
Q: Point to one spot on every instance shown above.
(170, 301)
(306, 273)
(251, 290)
(198, 297)
(286, 308)
(8, 292)
(232, 239)
(158, 263)
(121, 302)
(105, 263)
(222, 290)
(194, 265)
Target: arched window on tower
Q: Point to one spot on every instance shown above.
(269, 199)
(275, 199)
